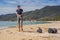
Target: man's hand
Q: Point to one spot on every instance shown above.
(16, 14)
(21, 15)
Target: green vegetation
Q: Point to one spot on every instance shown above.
(48, 13)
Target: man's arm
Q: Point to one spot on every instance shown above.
(22, 14)
(16, 13)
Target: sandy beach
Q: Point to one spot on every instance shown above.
(30, 32)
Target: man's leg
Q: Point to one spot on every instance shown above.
(18, 19)
(22, 23)
(19, 24)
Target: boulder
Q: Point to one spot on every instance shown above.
(52, 30)
(39, 30)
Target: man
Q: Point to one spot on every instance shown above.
(19, 13)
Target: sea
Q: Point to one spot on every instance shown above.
(5, 24)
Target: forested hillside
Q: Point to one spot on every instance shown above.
(48, 13)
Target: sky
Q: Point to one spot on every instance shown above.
(10, 6)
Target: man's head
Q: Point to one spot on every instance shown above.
(18, 6)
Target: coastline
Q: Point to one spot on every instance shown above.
(11, 33)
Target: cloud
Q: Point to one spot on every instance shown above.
(7, 10)
(9, 6)
(11, 2)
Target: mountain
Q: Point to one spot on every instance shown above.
(48, 13)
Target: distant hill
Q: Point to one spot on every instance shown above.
(48, 13)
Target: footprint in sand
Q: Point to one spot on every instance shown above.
(0, 32)
(30, 39)
(9, 31)
(31, 28)
(23, 39)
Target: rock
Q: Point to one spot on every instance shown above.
(52, 30)
(39, 30)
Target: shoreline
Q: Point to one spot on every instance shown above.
(1, 27)
(6, 27)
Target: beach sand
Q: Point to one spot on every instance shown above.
(30, 32)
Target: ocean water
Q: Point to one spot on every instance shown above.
(5, 24)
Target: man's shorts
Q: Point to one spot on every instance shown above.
(19, 19)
